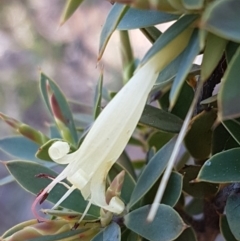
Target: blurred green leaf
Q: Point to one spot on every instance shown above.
(193, 5)
(20, 147)
(6, 180)
(222, 140)
(126, 162)
(233, 214)
(216, 45)
(60, 236)
(184, 101)
(198, 138)
(25, 174)
(160, 120)
(228, 97)
(187, 235)
(98, 97)
(70, 7)
(233, 127)
(191, 51)
(45, 83)
(223, 167)
(230, 50)
(152, 172)
(151, 33)
(176, 29)
(114, 17)
(139, 18)
(197, 190)
(225, 229)
(112, 233)
(173, 189)
(195, 206)
(128, 184)
(222, 18)
(166, 226)
(158, 139)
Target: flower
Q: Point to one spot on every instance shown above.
(89, 165)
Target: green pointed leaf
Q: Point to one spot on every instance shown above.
(197, 190)
(70, 7)
(166, 226)
(233, 127)
(187, 235)
(159, 139)
(222, 140)
(112, 233)
(173, 189)
(114, 17)
(216, 45)
(152, 172)
(218, 20)
(161, 120)
(230, 50)
(169, 35)
(184, 101)
(151, 33)
(25, 172)
(233, 214)
(225, 229)
(198, 138)
(191, 51)
(228, 96)
(223, 167)
(128, 184)
(98, 97)
(60, 236)
(63, 105)
(193, 5)
(20, 147)
(138, 18)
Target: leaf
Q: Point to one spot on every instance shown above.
(138, 18)
(25, 172)
(111, 233)
(62, 104)
(159, 139)
(230, 50)
(228, 96)
(60, 236)
(223, 167)
(168, 36)
(225, 229)
(195, 206)
(193, 5)
(222, 140)
(114, 17)
(156, 230)
(151, 33)
(233, 214)
(217, 19)
(128, 184)
(187, 235)
(173, 189)
(98, 97)
(70, 7)
(197, 190)
(161, 120)
(20, 147)
(233, 127)
(6, 180)
(216, 45)
(198, 138)
(191, 51)
(152, 172)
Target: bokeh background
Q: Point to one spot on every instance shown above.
(31, 39)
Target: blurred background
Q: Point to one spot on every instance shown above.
(32, 40)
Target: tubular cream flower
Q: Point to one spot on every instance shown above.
(88, 166)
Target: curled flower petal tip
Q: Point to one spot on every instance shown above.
(58, 150)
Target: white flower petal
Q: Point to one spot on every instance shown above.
(58, 150)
